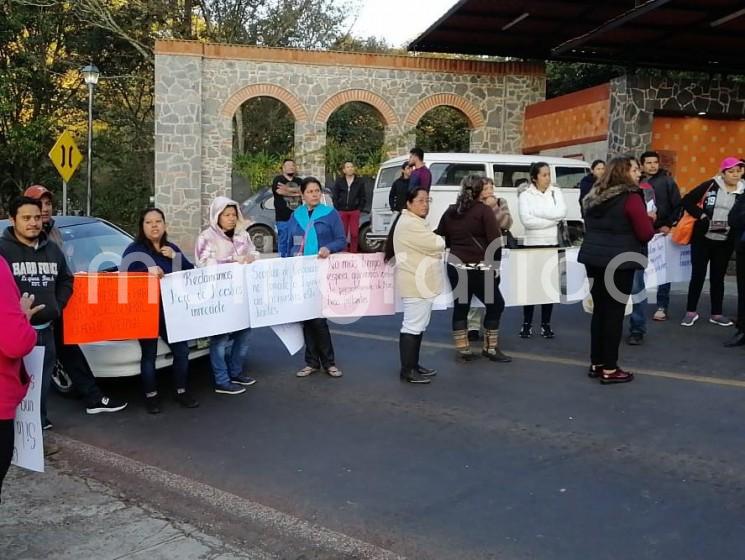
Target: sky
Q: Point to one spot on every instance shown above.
(398, 21)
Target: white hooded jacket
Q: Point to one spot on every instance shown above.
(540, 214)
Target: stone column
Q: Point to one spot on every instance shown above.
(310, 149)
(477, 141)
(178, 145)
(399, 139)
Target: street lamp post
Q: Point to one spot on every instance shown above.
(90, 76)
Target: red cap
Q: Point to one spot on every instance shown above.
(37, 192)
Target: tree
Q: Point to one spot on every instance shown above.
(443, 129)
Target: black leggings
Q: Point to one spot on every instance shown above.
(607, 314)
(716, 255)
(546, 310)
(741, 291)
(477, 285)
(7, 438)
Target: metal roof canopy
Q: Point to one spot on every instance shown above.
(700, 35)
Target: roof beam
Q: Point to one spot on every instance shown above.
(630, 15)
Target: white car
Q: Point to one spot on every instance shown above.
(507, 171)
(89, 240)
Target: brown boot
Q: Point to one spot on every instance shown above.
(491, 347)
(463, 347)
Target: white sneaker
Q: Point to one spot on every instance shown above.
(660, 314)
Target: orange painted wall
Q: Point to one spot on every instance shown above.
(567, 120)
(691, 148)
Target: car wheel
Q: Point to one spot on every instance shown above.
(369, 245)
(61, 380)
(263, 238)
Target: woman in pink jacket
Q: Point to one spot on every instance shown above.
(227, 241)
(17, 338)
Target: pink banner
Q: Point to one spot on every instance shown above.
(357, 285)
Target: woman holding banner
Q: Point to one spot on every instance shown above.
(315, 229)
(617, 230)
(473, 236)
(542, 208)
(712, 241)
(17, 338)
(226, 240)
(418, 253)
(151, 252)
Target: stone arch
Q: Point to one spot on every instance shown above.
(265, 90)
(474, 115)
(361, 95)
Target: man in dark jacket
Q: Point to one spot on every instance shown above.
(70, 355)
(669, 208)
(349, 198)
(39, 269)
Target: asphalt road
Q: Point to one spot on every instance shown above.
(526, 460)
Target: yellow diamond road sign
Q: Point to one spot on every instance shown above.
(65, 156)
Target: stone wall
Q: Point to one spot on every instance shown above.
(634, 100)
(199, 86)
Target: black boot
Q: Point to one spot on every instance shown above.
(408, 345)
(738, 339)
(526, 331)
(546, 331)
(421, 370)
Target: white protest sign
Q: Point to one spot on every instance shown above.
(356, 285)
(577, 283)
(530, 276)
(205, 301)
(656, 271)
(28, 446)
(291, 336)
(678, 261)
(283, 291)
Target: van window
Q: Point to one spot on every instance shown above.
(387, 176)
(453, 173)
(506, 174)
(569, 177)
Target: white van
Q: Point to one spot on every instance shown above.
(448, 170)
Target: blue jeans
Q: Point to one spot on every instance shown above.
(180, 351)
(228, 363)
(638, 319)
(45, 338)
(663, 296)
(284, 243)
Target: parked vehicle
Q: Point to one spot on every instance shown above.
(95, 245)
(448, 170)
(259, 208)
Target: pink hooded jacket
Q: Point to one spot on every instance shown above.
(214, 247)
(17, 338)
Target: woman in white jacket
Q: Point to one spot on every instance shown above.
(541, 207)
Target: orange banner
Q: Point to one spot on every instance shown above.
(121, 306)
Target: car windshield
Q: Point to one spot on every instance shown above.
(94, 246)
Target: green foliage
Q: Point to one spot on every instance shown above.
(268, 126)
(355, 133)
(567, 77)
(259, 168)
(443, 129)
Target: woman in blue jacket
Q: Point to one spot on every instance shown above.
(315, 229)
(151, 252)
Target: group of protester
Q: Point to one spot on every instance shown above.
(622, 212)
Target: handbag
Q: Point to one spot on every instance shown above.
(565, 239)
(682, 232)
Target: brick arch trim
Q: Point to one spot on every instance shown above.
(265, 90)
(361, 95)
(474, 115)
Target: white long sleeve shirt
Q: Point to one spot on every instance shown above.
(540, 214)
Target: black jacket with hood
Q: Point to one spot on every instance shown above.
(666, 198)
(349, 197)
(41, 271)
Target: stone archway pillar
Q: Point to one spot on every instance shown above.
(477, 141)
(399, 139)
(310, 149)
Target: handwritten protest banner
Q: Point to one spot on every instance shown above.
(291, 336)
(577, 283)
(205, 301)
(678, 261)
(283, 290)
(356, 285)
(28, 445)
(656, 271)
(110, 306)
